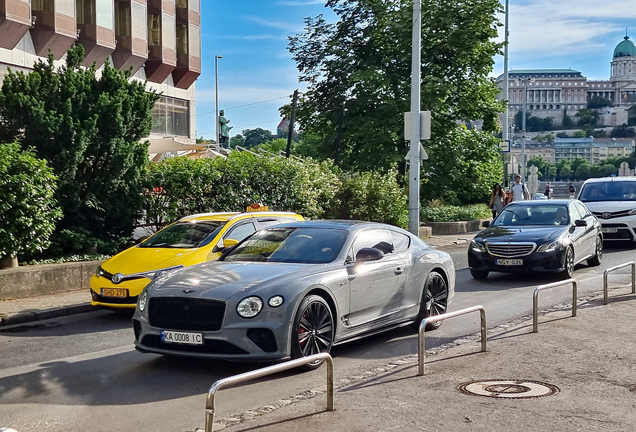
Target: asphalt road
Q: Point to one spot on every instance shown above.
(81, 372)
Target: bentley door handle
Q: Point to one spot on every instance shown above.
(399, 270)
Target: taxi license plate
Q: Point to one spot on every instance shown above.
(169, 336)
(115, 292)
(509, 262)
(609, 230)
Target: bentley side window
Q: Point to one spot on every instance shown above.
(378, 239)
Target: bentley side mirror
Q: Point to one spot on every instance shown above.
(580, 223)
(485, 224)
(368, 254)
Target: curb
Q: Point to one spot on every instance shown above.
(26, 317)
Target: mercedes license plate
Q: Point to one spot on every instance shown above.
(609, 230)
(115, 292)
(509, 262)
(186, 338)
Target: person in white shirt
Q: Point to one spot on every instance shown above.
(519, 190)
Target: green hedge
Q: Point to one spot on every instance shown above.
(450, 213)
(176, 187)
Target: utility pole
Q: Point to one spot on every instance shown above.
(506, 95)
(416, 71)
(291, 123)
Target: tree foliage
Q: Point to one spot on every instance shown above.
(360, 67)
(89, 130)
(28, 211)
(254, 137)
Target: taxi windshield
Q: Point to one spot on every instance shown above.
(185, 235)
(291, 245)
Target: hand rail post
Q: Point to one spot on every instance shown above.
(422, 338)
(258, 373)
(606, 273)
(535, 300)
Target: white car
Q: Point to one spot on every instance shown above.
(613, 201)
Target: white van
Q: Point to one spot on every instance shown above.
(613, 202)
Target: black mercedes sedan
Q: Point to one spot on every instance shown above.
(527, 236)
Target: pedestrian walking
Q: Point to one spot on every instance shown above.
(572, 190)
(548, 191)
(497, 200)
(519, 190)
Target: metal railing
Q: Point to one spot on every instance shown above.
(611, 269)
(425, 321)
(535, 300)
(248, 376)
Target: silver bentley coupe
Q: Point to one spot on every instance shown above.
(294, 290)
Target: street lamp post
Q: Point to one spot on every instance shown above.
(216, 79)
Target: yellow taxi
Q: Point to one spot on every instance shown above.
(191, 240)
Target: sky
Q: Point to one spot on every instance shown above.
(257, 74)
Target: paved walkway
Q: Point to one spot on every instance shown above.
(19, 311)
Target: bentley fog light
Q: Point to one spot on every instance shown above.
(477, 247)
(249, 307)
(275, 301)
(142, 301)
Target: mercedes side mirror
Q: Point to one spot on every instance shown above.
(580, 223)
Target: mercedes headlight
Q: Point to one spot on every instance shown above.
(549, 247)
(142, 302)
(249, 307)
(476, 246)
(632, 212)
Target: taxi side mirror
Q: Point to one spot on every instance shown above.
(229, 243)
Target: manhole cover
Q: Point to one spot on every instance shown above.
(510, 389)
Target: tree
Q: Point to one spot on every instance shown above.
(254, 137)
(565, 172)
(567, 120)
(236, 140)
(552, 172)
(28, 211)
(579, 134)
(599, 102)
(89, 130)
(587, 118)
(363, 62)
(622, 132)
(274, 146)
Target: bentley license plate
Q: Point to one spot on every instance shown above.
(609, 230)
(169, 336)
(509, 262)
(115, 292)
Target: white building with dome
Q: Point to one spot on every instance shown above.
(555, 92)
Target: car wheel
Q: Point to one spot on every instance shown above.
(313, 330)
(479, 274)
(568, 264)
(598, 257)
(434, 300)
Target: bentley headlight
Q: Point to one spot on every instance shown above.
(249, 307)
(476, 246)
(142, 302)
(549, 247)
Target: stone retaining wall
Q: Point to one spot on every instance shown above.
(445, 228)
(31, 281)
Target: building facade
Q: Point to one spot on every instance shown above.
(572, 148)
(543, 150)
(555, 92)
(603, 148)
(159, 40)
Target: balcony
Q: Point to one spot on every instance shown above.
(188, 43)
(55, 27)
(162, 40)
(96, 32)
(131, 33)
(15, 21)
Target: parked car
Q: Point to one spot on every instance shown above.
(527, 236)
(295, 290)
(539, 196)
(613, 201)
(191, 240)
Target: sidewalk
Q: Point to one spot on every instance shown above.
(589, 358)
(19, 311)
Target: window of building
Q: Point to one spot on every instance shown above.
(182, 4)
(85, 12)
(139, 22)
(194, 5)
(65, 7)
(154, 29)
(43, 5)
(169, 29)
(171, 117)
(182, 39)
(105, 14)
(122, 19)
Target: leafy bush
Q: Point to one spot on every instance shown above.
(68, 258)
(450, 213)
(28, 211)
(372, 196)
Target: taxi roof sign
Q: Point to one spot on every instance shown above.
(256, 208)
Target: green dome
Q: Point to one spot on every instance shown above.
(626, 48)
